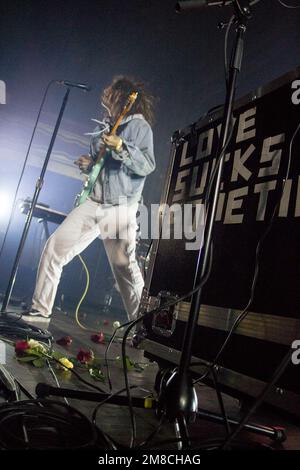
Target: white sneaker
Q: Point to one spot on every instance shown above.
(35, 315)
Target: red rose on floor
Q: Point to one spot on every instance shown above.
(85, 356)
(65, 341)
(21, 347)
(98, 338)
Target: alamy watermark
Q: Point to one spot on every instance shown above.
(2, 352)
(160, 221)
(2, 92)
(296, 93)
(296, 353)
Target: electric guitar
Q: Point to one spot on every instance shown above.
(97, 167)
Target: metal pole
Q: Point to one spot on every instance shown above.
(38, 187)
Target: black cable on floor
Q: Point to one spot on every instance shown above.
(221, 401)
(54, 425)
(15, 328)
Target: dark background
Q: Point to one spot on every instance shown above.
(179, 56)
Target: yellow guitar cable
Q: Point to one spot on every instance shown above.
(84, 293)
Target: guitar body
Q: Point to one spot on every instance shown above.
(89, 184)
(92, 178)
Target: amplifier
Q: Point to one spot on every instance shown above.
(258, 160)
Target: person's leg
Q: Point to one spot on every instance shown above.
(122, 258)
(77, 231)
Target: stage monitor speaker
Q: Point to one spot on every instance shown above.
(258, 160)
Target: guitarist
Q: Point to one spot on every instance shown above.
(110, 210)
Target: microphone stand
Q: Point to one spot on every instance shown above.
(178, 399)
(38, 187)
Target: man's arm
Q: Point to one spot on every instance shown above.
(136, 151)
(96, 142)
(86, 162)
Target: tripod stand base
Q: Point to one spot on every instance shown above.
(43, 390)
(275, 433)
(178, 398)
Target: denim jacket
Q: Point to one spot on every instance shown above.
(123, 176)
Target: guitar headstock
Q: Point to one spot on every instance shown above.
(131, 100)
(129, 103)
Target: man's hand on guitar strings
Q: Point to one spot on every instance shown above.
(113, 142)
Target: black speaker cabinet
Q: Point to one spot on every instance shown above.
(258, 160)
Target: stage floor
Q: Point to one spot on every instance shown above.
(113, 419)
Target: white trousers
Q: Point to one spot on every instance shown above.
(116, 225)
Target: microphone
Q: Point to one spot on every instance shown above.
(186, 5)
(82, 86)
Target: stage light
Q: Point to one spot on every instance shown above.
(5, 204)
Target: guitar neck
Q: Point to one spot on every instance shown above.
(118, 122)
(101, 154)
(102, 151)
(126, 109)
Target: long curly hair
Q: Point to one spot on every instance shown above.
(119, 90)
